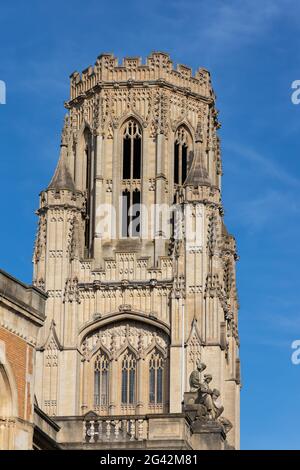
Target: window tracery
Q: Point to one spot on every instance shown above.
(131, 179)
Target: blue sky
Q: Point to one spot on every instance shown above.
(252, 49)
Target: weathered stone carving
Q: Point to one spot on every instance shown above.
(218, 408)
(195, 381)
(71, 292)
(203, 403)
(140, 337)
(205, 395)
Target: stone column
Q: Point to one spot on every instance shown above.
(176, 358)
(92, 192)
(141, 380)
(98, 183)
(159, 189)
(84, 403)
(145, 175)
(114, 384)
(116, 178)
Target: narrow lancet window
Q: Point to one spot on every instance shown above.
(128, 379)
(156, 367)
(182, 149)
(131, 179)
(132, 149)
(101, 379)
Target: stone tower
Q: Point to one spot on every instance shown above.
(134, 255)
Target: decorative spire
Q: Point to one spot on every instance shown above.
(198, 175)
(62, 178)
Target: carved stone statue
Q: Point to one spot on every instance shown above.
(195, 377)
(218, 408)
(202, 403)
(205, 395)
(227, 425)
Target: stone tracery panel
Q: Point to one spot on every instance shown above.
(118, 335)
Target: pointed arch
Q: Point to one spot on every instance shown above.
(131, 132)
(52, 337)
(99, 347)
(8, 390)
(127, 340)
(116, 316)
(131, 174)
(155, 345)
(157, 365)
(194, 331)
(101, 366)
(131, 115)
(184, 123)
(128, 369)
(194, 345)
(84, 125)
(82, 171)
(126, 346)
(183, 153)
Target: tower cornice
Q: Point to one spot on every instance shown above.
(78, 99)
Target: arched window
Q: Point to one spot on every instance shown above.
(128, 378)
(6, 399)
(156, 368)
(101, 380)
(132, 150)
(131, 179)
(182, 149)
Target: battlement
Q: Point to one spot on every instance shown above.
(158, 67)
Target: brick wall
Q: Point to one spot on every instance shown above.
(20, 356)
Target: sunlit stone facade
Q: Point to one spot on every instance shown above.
(137, 295)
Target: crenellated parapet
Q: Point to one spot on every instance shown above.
(159, 95)
(52, 199)
(158, 68)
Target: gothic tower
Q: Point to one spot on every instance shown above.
(132, 249)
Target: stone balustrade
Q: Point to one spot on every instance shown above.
(93, 431)
(98, 429)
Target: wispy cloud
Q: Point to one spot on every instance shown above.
(211, 28)
(221, 26)
(241, 20)
(265, 163)
(266, 210)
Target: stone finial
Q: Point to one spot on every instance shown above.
(65, 132)
(62, 178)
(199, 133)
